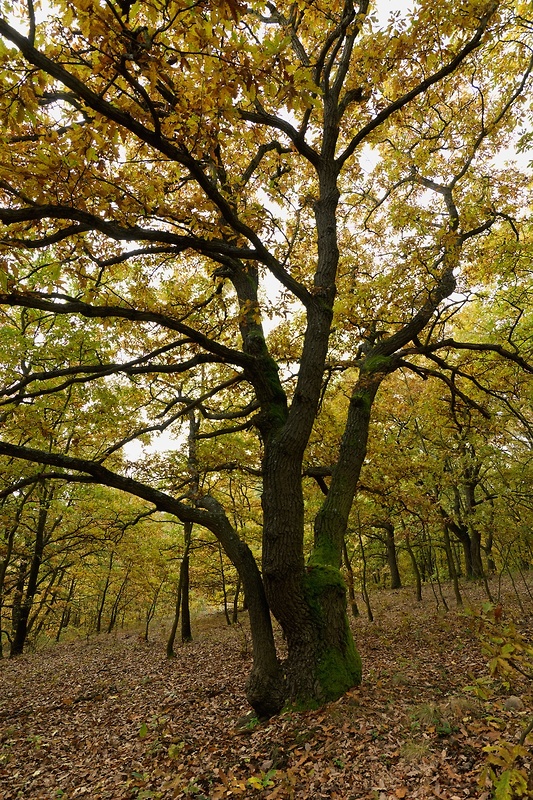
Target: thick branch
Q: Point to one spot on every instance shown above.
(262, 117)
(100, 474)
(481, 347)
(91, 372)
(69, 305)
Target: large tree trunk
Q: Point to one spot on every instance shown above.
(309, 601)
(265, 688)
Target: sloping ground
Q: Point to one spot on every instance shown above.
(111, 717)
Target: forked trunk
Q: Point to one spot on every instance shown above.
(322, 661)
(309, 601)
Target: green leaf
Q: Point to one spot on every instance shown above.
(143, 731)
(503, 789)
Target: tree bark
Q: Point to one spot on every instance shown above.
(103, 598)
(235, 612)
(265, 687)
(416, 568)
(175, 622)
(451, 566)
(186, 630)
(390, 548)
(350, 580)
(20, 631)
(65, 615)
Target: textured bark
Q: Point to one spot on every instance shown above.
(175, 622)
(471, 544)
(265, 688)
(103, 598)
(186, 631)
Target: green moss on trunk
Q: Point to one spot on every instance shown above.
(339, 671)
(338, 667)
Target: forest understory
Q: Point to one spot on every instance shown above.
(110, 717)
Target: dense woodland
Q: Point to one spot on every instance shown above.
(455, 503)
(265, 298)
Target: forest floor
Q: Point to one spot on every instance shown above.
(109, 717)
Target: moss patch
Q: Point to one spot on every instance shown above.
(297, 706)
(339, 668)
(338, 672)
(324, 554)
(319, 577)
(377, 364)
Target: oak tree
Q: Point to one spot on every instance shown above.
(188, 174)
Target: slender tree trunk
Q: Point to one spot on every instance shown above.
(462, 534)
(451, 566)
(9, 538)
(150, 613)
(41, 611)
(475, 549)
(224, 588)
(20, 631)
(414, 564)
(364, 587)
(456, 552)
(235, 614)
(180, 595)
(65, 616)
(101, 604)
(4, 563)
(350, 581)
(439, 584)
(392, 557)
(175, 622)
(116, 604)
(186, 631)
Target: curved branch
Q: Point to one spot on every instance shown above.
(177, 153)
(131, 233)
(208, 513)
(102, 475)
(69, 305)
(480, 347)
(89, 372)
(262, 117)
(405, 99)
(426, 372)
